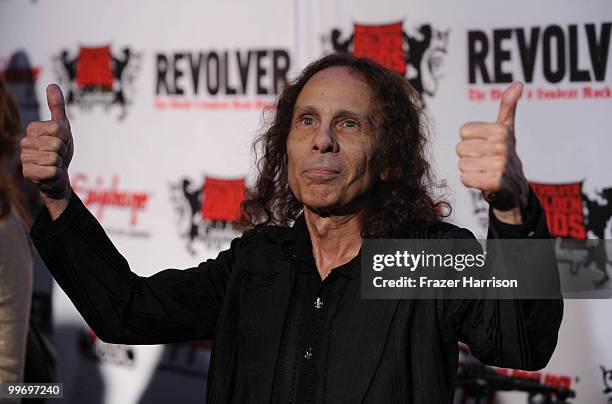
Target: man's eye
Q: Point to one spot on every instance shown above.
(307, 121)
(349, 124)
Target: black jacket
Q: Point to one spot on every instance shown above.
(387, 351)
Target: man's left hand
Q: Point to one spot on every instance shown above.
(488, 160)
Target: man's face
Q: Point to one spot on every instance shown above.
(331, 141)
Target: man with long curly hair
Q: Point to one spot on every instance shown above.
(343, 159)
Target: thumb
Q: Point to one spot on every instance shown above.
(507, 108)
(55, 100)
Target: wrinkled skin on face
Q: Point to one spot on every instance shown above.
(331, 141)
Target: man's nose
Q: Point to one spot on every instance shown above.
(325, 140)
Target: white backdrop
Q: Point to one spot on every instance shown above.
(176, 96)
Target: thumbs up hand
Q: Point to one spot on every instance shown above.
(46, 152)
(488, 160)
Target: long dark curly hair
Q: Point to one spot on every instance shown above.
(403, 198)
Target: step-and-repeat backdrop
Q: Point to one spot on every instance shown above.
(166, 97)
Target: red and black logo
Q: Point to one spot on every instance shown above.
(563, 204)
(578, 220)
(547, 379)
(206, 211)
(576, 54)
(98, 77)
(572, 214)
(417, 55)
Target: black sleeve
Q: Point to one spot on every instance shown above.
(534, 223)
(120, 306)
(519, 333)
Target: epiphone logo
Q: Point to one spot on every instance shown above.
(578, 53)
(101, 197)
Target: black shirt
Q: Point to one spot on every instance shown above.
(300, 375)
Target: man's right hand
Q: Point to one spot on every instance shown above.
(46, 152)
